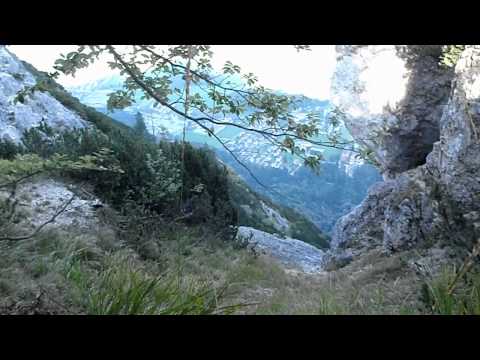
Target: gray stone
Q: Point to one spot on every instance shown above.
(290, 252)
(46, 196)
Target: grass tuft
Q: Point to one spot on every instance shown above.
(465, 300)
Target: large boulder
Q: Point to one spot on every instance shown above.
(290, 252)
(44, 197)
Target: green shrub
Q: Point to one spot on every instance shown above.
(451, 54)
(39, 140)
(152, 174)
(8, 149)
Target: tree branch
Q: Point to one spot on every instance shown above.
(17, 181)
(161, 101)
(137, 78)
(197, 74)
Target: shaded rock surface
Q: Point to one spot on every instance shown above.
(290, 252)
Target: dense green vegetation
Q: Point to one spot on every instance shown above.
(149, 192)
(146, 181)
(151, 176)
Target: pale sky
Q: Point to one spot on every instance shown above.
(278, 67)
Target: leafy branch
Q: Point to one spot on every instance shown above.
(243, 103)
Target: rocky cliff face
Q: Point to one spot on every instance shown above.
(393, 98)
(16, 117)
(422, 123)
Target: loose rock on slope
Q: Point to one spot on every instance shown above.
(44, 197)
(290, 252)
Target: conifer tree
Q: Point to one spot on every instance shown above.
(140, 127)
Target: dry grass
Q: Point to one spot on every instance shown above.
(375, 285)
(87, 273)
(66, 272)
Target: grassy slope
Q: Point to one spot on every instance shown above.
(67, 272)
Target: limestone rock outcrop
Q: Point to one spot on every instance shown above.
(424, 132)
(16, 117)
(392, 97)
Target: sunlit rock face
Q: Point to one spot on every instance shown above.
(430, 204)
(17, 117)
(49, 195)
(393, 97)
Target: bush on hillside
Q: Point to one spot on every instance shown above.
(8, 149)
(152, 175)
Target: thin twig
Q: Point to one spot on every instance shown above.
(17, 181)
